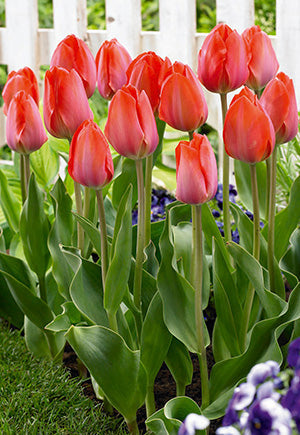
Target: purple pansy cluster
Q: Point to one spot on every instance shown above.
(268, 403)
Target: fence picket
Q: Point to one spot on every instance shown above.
(237, 14)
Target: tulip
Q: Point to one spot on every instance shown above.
(65, 102)
(222, 60)
(25, 132)
(279, 101)
(22, 80)
(248, 131)
(112, 61)
(182, 103)
(196, 171)
(72, 52)
(144, 73)
(90, 162)
(262, 61)
(130, 126)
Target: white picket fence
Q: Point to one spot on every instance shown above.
(22, 43)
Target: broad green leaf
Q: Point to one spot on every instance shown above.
(178, 298)
(179, 363)
(34, 230)
(227, 301)
(286, 221)
(159, 424)
(36, 340)
(10, 205)
(2, 241)
(117, 369)
(45, 164)
(122, 181)
(61, 233)
(245, 227)
(155, 339)
(18, 269)
(119, 268)
(9, 310)
(291, 261)
(272, 303)
(69, 316)
(243, 183)
(220, 350)
(91, 230)
(263, 346)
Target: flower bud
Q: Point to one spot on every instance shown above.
(65, 102)
(130, 126)
(25, 132)
(72, 52)
(90, 162)
(196, 171)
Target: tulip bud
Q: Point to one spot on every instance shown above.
(130, 126)
(144, 73)
(182, 103)
(112, 61)
(90, 162)
(25, 132)
(22, 80)
(262, 61)
(279, 101)
(72, 52)
(65, 102)
(248, 131)
(222, 60)
(196, 171)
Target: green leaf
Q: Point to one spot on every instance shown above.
(36, 340)
(122, 181)
(91, 230)
(34, 230)
(9, 310)
(61, 233)
(155, 339)
(179, 363)
(18, 269)
(69, 316)
(243, 183)
(10, 205)
(178, 298)
(291, 261)
(286, 221)
(227, 301)
(45, 164)
(272, 303)
(119, 268)
(115, 367)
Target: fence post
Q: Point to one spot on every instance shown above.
(288, 39)
(123, 21)
(177, 35)
(237, 14)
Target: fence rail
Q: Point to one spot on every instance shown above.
(22, 43)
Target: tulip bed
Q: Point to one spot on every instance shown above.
(93, 257)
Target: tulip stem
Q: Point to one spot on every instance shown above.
(197, 282)
(27, 169)
(22, 178)
(78, 200)
(226, 213)
(140, 236)
(103, 235)
(271, 224)
(148, 198)
(86, 211)
(269, 175)
(150, 400)
(191, 135)
(42, 286)
(133, 427)
(256, 254)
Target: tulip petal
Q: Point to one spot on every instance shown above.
(148, 125)
(236, 63)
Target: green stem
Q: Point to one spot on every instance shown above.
(133, 427)
(191, 135)
(226, 212)
(80, 233)
(197, 282)
(22, 178)
(180, 389)
(27, 169)
(271, 224)
(150, 401)
(269, 164)
(256, 254)
(137, 286)
(148, 198)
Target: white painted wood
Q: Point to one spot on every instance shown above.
(238, 14)
(2, 128)
(288, 40)
(123, 21)
(21, 37)
(177, 21)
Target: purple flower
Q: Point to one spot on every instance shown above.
(260, 372)
(192, 423)
(293, 357)
(242, 397)
(291, 400)
(267, 390)
(268, 417)
(227, 430)
(235, 236)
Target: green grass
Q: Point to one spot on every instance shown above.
(39, 397)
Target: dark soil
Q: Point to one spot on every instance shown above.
(164, 387)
